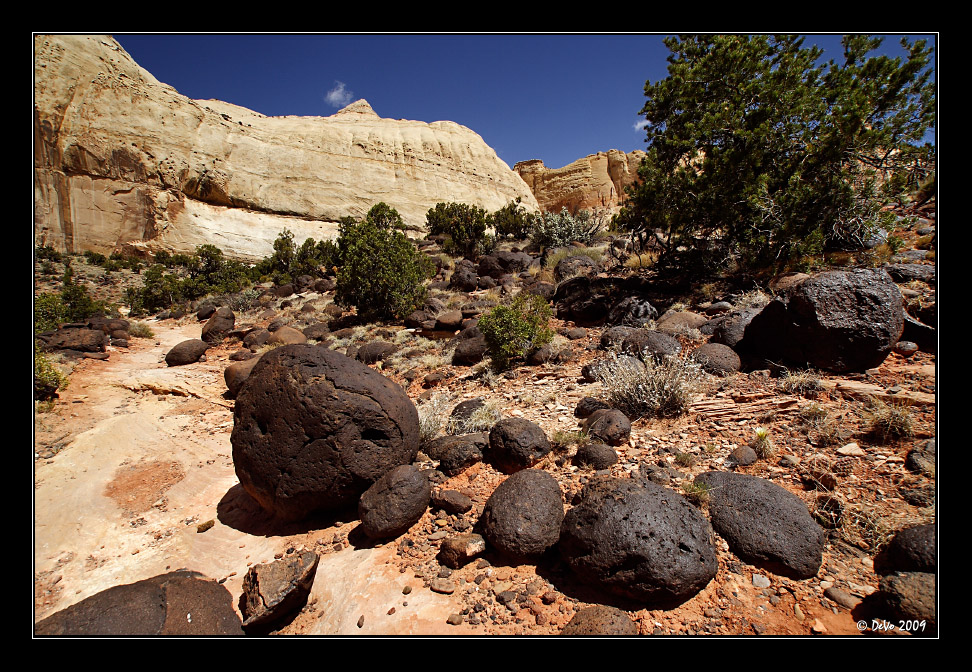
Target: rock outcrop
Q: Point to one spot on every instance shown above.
(123, 159)
(596, 181)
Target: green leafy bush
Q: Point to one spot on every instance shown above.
(513, 221)
(382, 273)
(48, 252)
(512, 330)
(562, 229)
(49, 312)
(47, 379)
(759, 154)
(465, 226)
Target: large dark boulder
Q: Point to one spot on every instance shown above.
(838, 320)
(729, 329)
(633, 311)
(178, 603)
(77, 338)
(643, 343)
(498, 264)
(375, 351)
(469, 351)
(522, 517)
(514, 444)
(608, 425)
(578, 264)
(187, 352)
(236, 374)
(219, 325)
(764, 524)
(394, 502)
(638, 540)
(313, 429)
(910, 596)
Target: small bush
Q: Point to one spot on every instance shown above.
(481, 420)
(433, 416)
(512, 330)
(803, 383)
(46, 252)
(513, 221)
(696, 493)
(889, 422)
(663, 388)
(685, 460)
(382, 273)
(560, 230)
(465, 226)
(49, 312)
(140, 330)
(47, 379)
(564, 439)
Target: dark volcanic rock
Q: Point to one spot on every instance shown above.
(469, 351)
(256, 338)
(838, 320)
(609, 425)
(633, 311)
(729, 329)
(235, 375)
(219, 325)
(187, 352)
(602, 620)
(459, 550)
(921, 460)
(317, 332)
(395, 502)
(639, 540)
(596, 455)
(764, 524)
(273, 590)
(314, 429)
(910, 596)
(462, 453)
(588, 405)
(523, 515)
(644, 343)
(79, 339)
(375, 351)
(578, 264)
(178, 603)
(912, 550)
(451, 501)
(717, 359)
(673, 322)
(286, 336)
(514, 444)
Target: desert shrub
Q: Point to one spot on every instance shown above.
(433, 416)
(95, 258)
(465, 226)
(49, 312)
(664, 388)
(78, 305)
(140, 330)
(513, 221)
(804, 383)
(889, 422)
(562, 229)
(47, 379)
(382, 273)
(481, 420)
(513, 329)
(159, 291)
(696, 493)
(46, 252)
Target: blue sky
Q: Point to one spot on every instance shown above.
(551, 97)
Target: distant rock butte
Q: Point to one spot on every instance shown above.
(595, 181)
(123, 160)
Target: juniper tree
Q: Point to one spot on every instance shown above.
(759, 152)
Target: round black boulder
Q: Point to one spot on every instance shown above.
(638, 540)
(764, 524)
(522, 517)
(187, 352)
(913, 549)
(514, 444)
(717, 359)
(395, 502)
(314, 429)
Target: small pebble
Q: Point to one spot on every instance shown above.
(361, 621)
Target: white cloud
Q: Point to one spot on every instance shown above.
(339, 96)
(641, 124)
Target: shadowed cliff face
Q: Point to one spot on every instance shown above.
(595, 181)
(122, 159)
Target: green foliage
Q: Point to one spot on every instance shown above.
(465, 226)
(49, 312)
(756, 150)
(513, 221)
(78, 305)
(512, 330)
(140, 330)
(159, 291)
(47, 379)
(381, 272)
(559, 230)
(46, 252)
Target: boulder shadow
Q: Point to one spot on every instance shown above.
(237, 509)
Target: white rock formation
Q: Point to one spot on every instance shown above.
(123, 160)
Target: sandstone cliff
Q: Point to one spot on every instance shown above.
(596, 181)
(123, 160)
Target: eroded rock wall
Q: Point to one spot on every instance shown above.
(121, 159)
(596, 181)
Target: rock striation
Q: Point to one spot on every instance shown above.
(595, 181)
(121, 159)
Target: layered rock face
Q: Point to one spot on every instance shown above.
(596, 181)
(123, 159)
